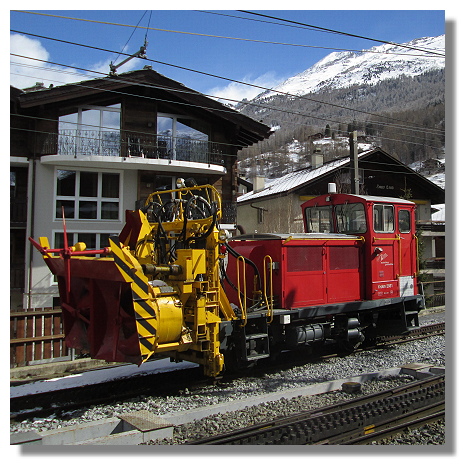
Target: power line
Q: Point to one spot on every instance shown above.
(319, 28)
(155, 146)
(221, 78)
(130, 37)
(306, 27)
(232, 111)
(215, 36)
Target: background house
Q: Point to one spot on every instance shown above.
(274, 206)
(99, 147)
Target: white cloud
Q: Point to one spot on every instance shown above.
(238, 91)
(25, 72)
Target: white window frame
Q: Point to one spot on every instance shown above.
(98, 199)
(383, 218)
(76, 233)
(101, 109)
(79, 126)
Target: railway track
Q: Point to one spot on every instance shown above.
(59, 402)
(420, 333)
(357, 421)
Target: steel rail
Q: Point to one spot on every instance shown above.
(420, 333)
(359, 415)
(392, 427)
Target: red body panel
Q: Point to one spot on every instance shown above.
(377, 262)
(306, 272)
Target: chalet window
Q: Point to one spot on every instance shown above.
(182, 138)
(88, 195)
(92, 130)
(383, 218)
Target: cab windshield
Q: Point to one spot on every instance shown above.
(344, 218)
(351, 218)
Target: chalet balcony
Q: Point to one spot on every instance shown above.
(70, 142)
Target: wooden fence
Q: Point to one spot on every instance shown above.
(36, 336)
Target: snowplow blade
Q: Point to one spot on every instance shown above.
(106, 305)
(99, 316)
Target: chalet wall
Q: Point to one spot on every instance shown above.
(280, 215)
(139, 115)
(41, 281)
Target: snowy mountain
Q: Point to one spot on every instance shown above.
(343, 69)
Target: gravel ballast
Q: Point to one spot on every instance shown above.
(430, 351)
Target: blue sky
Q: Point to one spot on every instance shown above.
(260, 63)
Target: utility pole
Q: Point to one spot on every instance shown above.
(353, 162)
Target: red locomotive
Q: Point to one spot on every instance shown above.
(351, 276)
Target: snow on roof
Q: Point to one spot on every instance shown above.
(439, 212)
(293, 180)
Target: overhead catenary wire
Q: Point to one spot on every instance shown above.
(225, 78)
(319, 28)
(309, 27)
(209, 142)
(151, 134)
(226, 37)
(130, 37)
(232, 111)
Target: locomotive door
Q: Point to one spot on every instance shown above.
(385, 246)
(343, 273)
(407, 252)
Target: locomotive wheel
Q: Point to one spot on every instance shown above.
(348, 346)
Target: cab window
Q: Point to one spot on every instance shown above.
(383, 218)
(404, 221)
(319, 219)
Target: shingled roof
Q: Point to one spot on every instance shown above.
(298, 180)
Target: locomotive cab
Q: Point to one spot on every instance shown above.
(387, 226)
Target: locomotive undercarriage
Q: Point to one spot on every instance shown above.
(348, 325)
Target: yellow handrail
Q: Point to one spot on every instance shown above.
(268, 261)
(387, 238)
(417, 254)
(241, 261)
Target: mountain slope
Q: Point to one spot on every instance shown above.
(396, 102)
(344, 69)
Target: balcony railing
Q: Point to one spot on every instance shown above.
(128, 145)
